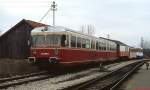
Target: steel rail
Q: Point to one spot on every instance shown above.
(22, 76)
(18, 80)
(125, 76)
(86, 84)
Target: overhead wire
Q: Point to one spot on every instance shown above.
(45, 14)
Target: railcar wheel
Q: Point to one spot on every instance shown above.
(53, 60)
(31, 60)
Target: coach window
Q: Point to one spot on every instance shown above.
(96, 45)
(114, 47)
(83, 43)
(100, 48)
(111, 48)
(107, 46)
(78, 42)
(104, 44)
(87, 43)
(73, 41)
(64, 40)
(93, 44)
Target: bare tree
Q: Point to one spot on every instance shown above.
(146, 44)
(88, 29)
(82, 29)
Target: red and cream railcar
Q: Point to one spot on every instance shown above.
(136, 53)
(64, 46)
(133, 52)
(123, 51)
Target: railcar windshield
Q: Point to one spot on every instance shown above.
(46, 40)
(38, 40)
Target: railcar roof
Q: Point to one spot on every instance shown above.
(57, 29)
(49, 29)
(62, 29)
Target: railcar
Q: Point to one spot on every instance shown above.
(123, 51)
(133, 52)
(139, 53)
(60, 45)
(136, 53)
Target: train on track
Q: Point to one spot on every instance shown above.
(60, 45)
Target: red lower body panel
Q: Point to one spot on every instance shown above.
(68, 56)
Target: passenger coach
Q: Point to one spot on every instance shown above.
(65, 46)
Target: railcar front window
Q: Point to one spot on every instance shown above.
(53, 39)
(45, 40)
(38, 40)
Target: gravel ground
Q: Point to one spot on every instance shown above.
(138, 81)
(66, 80)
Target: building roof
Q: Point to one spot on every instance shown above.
(33, 24)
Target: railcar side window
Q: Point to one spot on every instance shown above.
(63, 40)
(108, 46)
(111, 48)
(100, 47)
(83, 43)
(126, 48)
(73, 41)
(104, 46)
(67, 41)
(96, 45)
(93, 44)
(87, 43)
(78, 42)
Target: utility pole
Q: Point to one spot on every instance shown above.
(53, 8)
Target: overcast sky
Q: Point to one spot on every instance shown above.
(124, 20)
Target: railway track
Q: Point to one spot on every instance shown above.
(18, 80)
(109, 81)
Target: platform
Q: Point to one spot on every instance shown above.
(139, 81)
